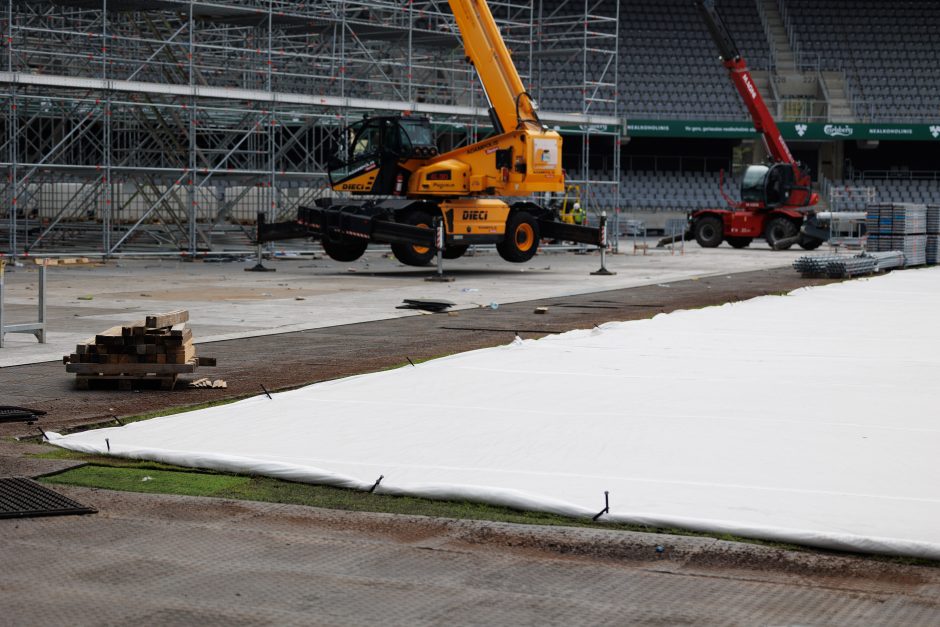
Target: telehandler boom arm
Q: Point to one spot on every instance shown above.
(487, 51)
(744, 83)
(785, 182)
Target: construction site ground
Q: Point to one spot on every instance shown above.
(311, 291)
(166, 559)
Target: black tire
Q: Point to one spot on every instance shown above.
(409, 254)
(739, 242)
(521, 240)
(809, 243)
(345, 249)
(708, 231)
(780, 228)
(455, 252)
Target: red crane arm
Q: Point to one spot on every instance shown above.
(763, 120)
(744, 83)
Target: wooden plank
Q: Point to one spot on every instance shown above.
(168, 319)
(128, 330)
(206, 361)
(176, 339)
(111, 336)
(181, 355)
(138, 369)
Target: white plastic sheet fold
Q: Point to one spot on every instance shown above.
(809, 418)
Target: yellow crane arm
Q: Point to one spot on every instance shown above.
(487, 51)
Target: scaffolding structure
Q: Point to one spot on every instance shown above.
(168, 125)
(575, 62)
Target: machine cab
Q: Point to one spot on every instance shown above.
(373, 151)
(769, 186)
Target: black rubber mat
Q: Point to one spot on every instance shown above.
(21, 498)
(19, 414)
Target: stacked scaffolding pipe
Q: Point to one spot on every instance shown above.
(853, 266)
(888, 260)
(843, 266)
(815, 265)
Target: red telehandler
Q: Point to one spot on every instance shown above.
(775, 198)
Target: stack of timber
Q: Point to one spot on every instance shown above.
(157, 349)
(60, 261)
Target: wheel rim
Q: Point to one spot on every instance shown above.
(708, 231)
(421, 250)
(525, 237)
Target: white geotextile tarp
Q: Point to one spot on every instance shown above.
(810, 418)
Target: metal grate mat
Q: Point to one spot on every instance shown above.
(21, 498)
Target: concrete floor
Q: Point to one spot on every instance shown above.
(157, 560)
(226, 303)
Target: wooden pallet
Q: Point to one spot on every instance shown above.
(134, 369)
(125, 381)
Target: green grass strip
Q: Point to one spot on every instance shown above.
(134, 476)
(150, 480)
(128, 475)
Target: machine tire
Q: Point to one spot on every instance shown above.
(521, 240)
(779, 228)
(345, 249)
(409, 254)
(708, 231)
(739, 242)
(455, 252)
(807, 242)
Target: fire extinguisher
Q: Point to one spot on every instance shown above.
(399, 180)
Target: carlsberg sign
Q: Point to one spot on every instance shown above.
(813, 131)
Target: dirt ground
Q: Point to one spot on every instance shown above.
(303, 357)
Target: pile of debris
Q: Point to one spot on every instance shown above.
(205, 382)
(158, 348)
(434, 305)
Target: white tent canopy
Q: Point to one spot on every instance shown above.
(809, 418)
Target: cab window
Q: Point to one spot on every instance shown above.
(752, 187)
(416, 133)
(367, 141)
